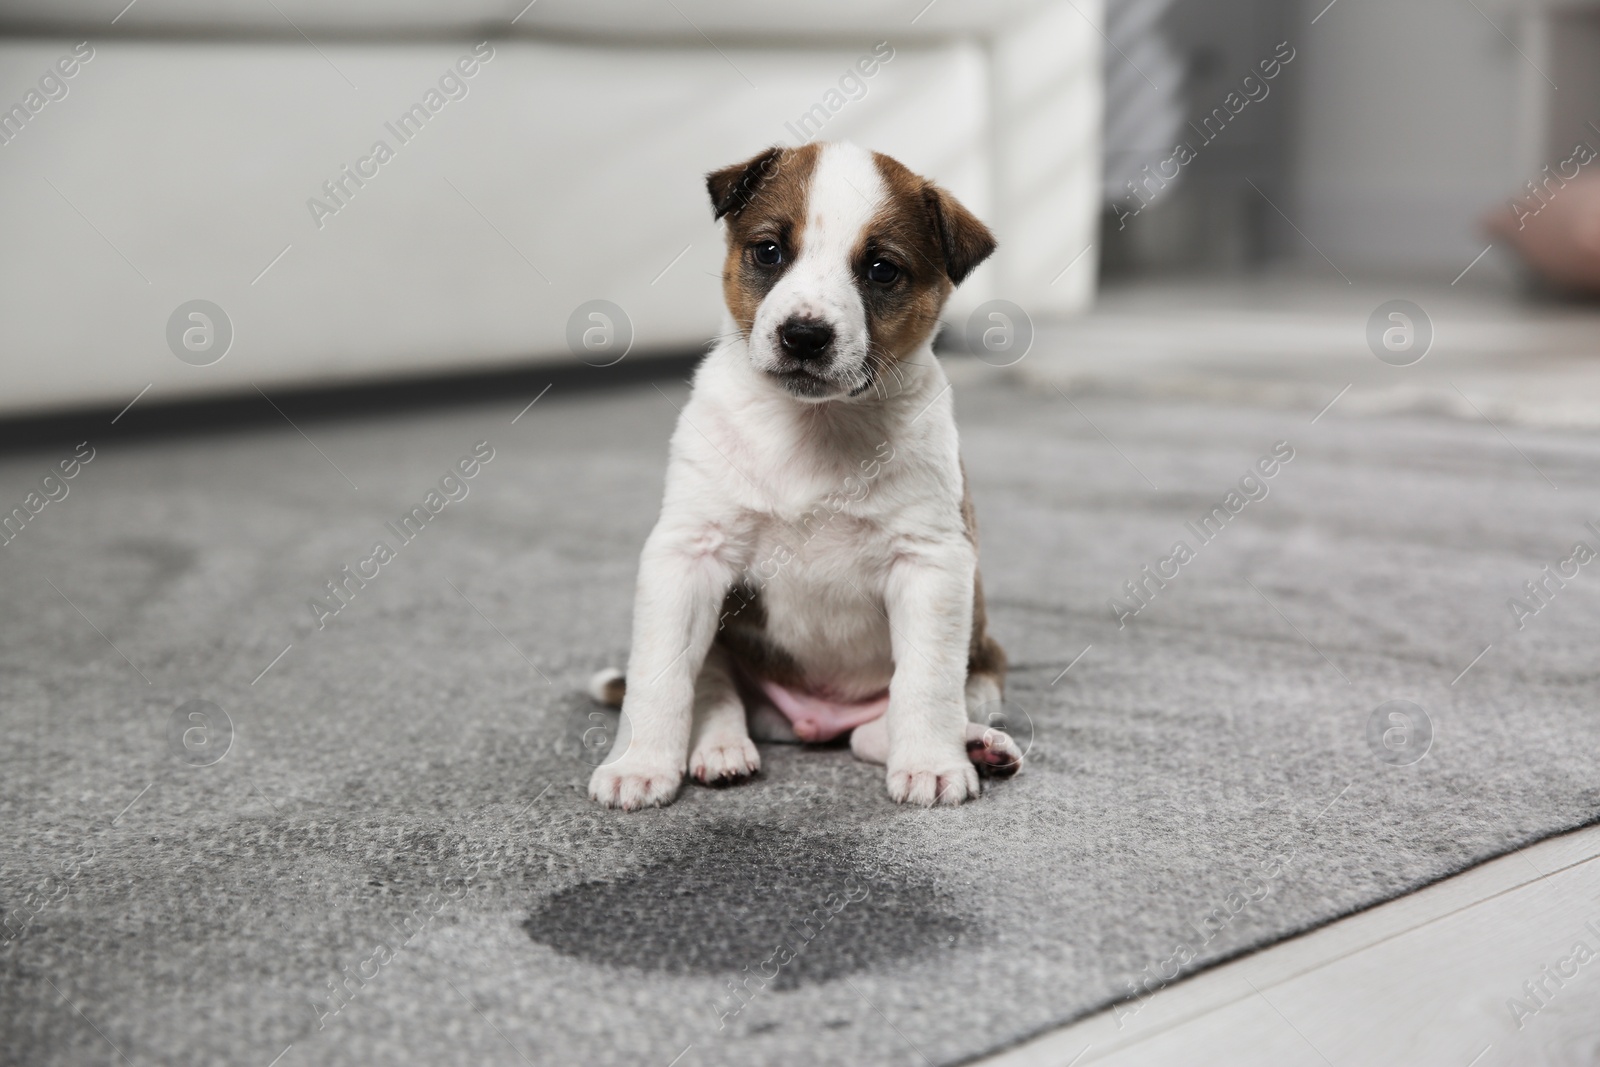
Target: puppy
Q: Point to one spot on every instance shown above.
(815, 567)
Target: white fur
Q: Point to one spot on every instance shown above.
(879, 594)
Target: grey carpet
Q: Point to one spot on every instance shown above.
(403, 796)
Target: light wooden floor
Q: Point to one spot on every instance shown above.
(1424, 980)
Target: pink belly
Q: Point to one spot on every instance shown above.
(817, 718)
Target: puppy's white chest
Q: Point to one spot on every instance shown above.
(821, 582)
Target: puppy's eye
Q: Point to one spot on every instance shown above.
(766, 253)
(882, 271)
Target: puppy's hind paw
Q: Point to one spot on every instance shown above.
(724, 761)
(631, 786)
(992, 752)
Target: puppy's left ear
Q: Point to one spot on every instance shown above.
(964, 240)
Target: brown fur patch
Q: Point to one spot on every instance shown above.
(934, 241)
(762, 199)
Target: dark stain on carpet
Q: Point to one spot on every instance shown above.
(741, 900)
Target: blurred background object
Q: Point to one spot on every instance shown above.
(1378, 148)
(1557, 231)
(1178, 157)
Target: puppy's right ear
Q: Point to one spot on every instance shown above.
(731, 188)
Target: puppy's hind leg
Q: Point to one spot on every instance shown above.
(991, 749)
(720, 749)
(869, 742)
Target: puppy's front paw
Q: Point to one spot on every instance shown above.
(633, 784)
(930, 782)
(724, 760)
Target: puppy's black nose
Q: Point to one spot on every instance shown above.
(805, 338)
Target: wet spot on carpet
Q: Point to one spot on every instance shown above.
(742, 900)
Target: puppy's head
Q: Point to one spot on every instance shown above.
(839, 261)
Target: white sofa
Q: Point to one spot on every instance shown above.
(181, 161)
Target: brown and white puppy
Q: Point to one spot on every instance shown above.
(814, 569)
